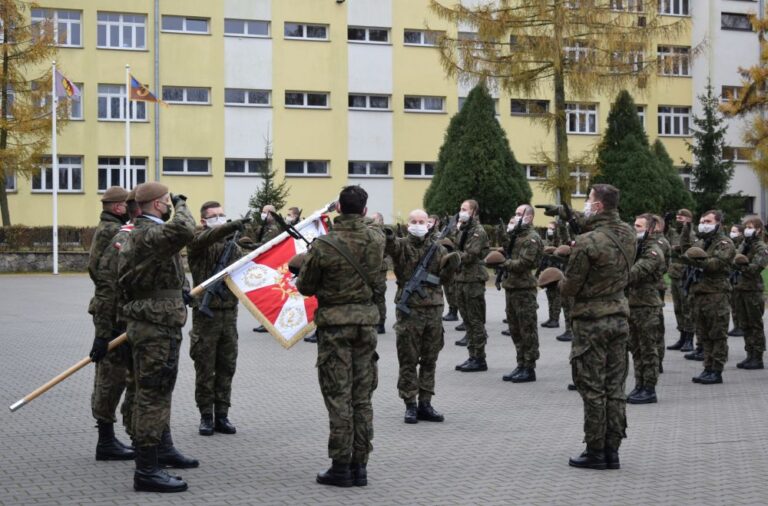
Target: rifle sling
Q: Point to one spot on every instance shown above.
(615, 241)
(344, 251)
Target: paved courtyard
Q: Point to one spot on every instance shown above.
(500, 444)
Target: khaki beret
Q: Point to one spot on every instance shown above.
(147, 192)
(741, 259)
(696, 252)
(549, 250)
(131, 196)
(495, 258)
(448, 244)
(450, 261)
(295, 263)
(115, 194)
(550, 275)
(685, 212)
(563, 250)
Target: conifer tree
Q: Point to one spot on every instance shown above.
(674, 193)
(270, 192)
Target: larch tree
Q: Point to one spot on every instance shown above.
(578, 49)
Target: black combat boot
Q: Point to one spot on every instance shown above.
(551, 324)
(504, 321)
(646, 395)
(410, 413)
(680, 342)
(741, 364)
(463, 341)
(704, 374)
(612, 458)
(526, 375)
(206, 424)
(108, 447)
(452, 315)
(380, 329)
(150, 477)
(461, 327)
(565, 336)
(473, 365)
(515, 372)
(311, 338)
(688, 343)
(426, 412)
(697, 355)
(572, 387)
(638, 387)
(506, 332)
(735, 332)
(359, 474)
(169, 456)
(338, 475)
(756, 362)
(589, 459)
(260, 329)
(223, 425)
(713, 378)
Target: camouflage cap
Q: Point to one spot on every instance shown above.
(550, 275)
(451, 261)
(685, 212)
(115, 194)
(495, 258)
(741, 259)
(147, 192)
(696, 253)
(549, 250)
(563, 251)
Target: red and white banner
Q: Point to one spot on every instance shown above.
(266, 287)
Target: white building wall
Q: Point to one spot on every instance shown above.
(375, 13)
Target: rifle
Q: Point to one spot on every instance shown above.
(292, 231)
(500, 272)
(218, 288)
(261, 231)
(692, 276)
(573, 223)
(421, 275)
(639, 250)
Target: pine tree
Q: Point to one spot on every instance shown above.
(711, 172)
(475, 162)
(270, 192)
(674, 193)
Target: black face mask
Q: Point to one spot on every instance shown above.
(167, 214)
(125, 218)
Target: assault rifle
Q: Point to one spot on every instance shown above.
(292, 231)
(691, 276)
(500, 272)
(219, 288)
(421, 275)
(573, 223)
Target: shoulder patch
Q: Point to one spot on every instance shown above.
(117, 245)
(654, 253)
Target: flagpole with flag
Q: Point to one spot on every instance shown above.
(127, 166)
(55, 169)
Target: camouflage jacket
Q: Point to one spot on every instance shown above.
(676, 265)
(645, 274)
(110, 295)
(109, 225)
(472, 245)
(344, 298)
(406, 253)
(751, 278)
(203, 253)
(666, 249)
(150, 270)
(716, 268)
(522, 260)
(271, 230)
(598, 271)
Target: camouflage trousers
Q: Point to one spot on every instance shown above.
(521, 318)
(471, 298)
(554, 302)
(419, 341)
(712, 314)
(213, 348)
(683, 306)
(348, 374)
(155, 350)
(735, 315)
(379, 295)
(599, 369)
(661, 345)
(450, 295)
(114, 375)
(567, 305)
(644, 334)
(750, 307)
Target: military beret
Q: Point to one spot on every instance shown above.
(147, 192)
(451, 261)
(448, 244)
(115, 194)
(563, 251)
(741, 259)
(550, 275)
(685, 212)
(696, 253)
(131, 196)
(549, 250)
(495, 258)
(295, 263)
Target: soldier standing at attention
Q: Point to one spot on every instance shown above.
(470, 284)
(110, 375)
(737, 236)
(213, 340)
(680, 300)
(420, 333)
(380, 282)
(596, 277)
(449, 288)
(338, 269)
(152, 277)
(711, 256)
(520, 288)
(554, 303)
(657, 235)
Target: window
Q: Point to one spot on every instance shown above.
(183, 24)
(66, 25)
(121, 31)
(628, 62)
(735, 154)
(246, 27)
(8, 113)
(255, 98)
(70, 175)
(674, 7)
(528, 107)
(535, 171)
(310, 100)
(366, 34)
(74, 105)
(581, 118)
(580, 180)
(186, 95)
(186, 166)
(112, 172)
(730, 93)
(627, 5)
(463, 100)
(368, 169)
(733, 21)
(375, 102)
(687, 177)
(112, 104)
(243, 167)
(304, 31)
(674, 120)
(424, 104)
(578, 51)
(674, 61)
(641, 113)
(421, 37)
(419, 169)
(10, 182)
(306, 168)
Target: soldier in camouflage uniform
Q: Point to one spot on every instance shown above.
(213, 340)
(748, 292)
(520, 288)
(111, 373)
(380, 282)
(644, 304)
(420, 333)
(565, 239)
(472, 245)
(680, 299)
(151, 275)
(449, 288)
(554, 303)
(596, 277)
(710, 292)
(737, 236)
(337, 270)
(657, 235)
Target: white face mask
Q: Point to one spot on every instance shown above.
(749, 232)
(734, 235)
(706, 228)
(417, 230)
(641, 235)
(587, 209)
(510, 227)
(216, 221)
(264, 216)
(464, 216)
(550, 232)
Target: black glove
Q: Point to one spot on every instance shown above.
(99, 349)
(550, 210)
(241, 223)
(176, 198)
(187, 297)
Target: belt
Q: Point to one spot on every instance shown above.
(610, 296)
(158, 294)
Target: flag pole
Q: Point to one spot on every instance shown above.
(55, 169)
(127, 165)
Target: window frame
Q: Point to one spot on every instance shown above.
(368, 164)
(13, 187)
(739, 15)
(626, 6)
(304, 31)
(55, 24)
(677, 59)
(368, 97)
(422, 102)
(134, 106)
(120, 26)
(185, 171)
(580, 175)
(47, 163)
(529, 166)
(245, 27)
(367, 39)
(185, 90)
(134, 169)
(673, 115)
(585, 110)
(423, 42)
(305, 168)
(675, 8)
(247, 170)
(528, 103)
(184, 20)
(305, 100)
(724, 89)
(737, 152)
(246, 96)
(423, 170)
